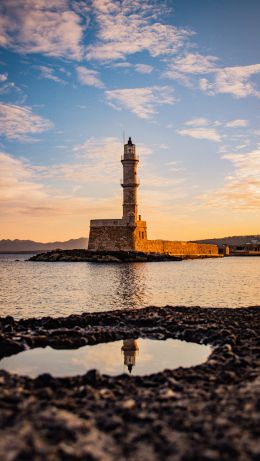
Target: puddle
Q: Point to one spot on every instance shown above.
(135, 356)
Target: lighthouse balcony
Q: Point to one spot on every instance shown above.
(135, 183)
(129, 157)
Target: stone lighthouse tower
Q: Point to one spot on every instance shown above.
(130, 348)
(128, 233)
(130, 182)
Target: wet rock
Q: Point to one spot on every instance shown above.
(204, 413)
(45, 380)
(92, 377)
(128, 404)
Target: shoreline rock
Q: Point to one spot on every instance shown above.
(202, 413)
(110, 256)
(101, 256)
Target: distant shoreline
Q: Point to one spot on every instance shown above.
(20, 252)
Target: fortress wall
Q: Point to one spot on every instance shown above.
(177, 248)
(140, 233)
(116, 235)
(111, 238)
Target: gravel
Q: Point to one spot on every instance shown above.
(203, 413)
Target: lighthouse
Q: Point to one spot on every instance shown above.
(130, 348)
(130, 182)
(128, 233)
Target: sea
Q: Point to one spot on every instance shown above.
(37, 289)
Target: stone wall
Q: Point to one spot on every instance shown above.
(140, 234)
(116, 235)
(177, 248)
(111, 238)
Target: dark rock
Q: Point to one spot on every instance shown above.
(102, 256)
(204, 413)
(92, 377)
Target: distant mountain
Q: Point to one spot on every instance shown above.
(234, 240)
(19, 246)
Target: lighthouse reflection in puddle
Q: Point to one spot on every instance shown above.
(130, 349)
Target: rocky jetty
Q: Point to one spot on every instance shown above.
(203, 413)
(101, 256)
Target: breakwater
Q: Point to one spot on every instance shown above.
(102, 256)
(113, 256)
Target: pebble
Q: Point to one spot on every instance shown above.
(206, 413)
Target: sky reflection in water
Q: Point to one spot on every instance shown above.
(31, 289)
(138, 357)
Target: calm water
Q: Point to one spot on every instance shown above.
(31, 289)
(138, 357)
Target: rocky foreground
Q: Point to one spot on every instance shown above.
(204, 413)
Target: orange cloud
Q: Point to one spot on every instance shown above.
(241, 190)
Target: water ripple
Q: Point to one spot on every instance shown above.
(31, 289)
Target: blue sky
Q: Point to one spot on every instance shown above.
(181, 77)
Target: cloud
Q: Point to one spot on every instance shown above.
(144, 68)
(202, 121)
(18, 186)
(26, 189)
(28, 198)
(232, 80)
(3, 77)
(126, 28)
(174, 166)
(199, 121)
(191, 63)
(141, 68)
(123, 64)
(16, 122)
(24, 192)
(201, 133)
(89, 77)
(48, 72)
(141, 101)
(237, 123)
(206, 87)
(201, 128)
(7, 87)
(242, 187)
(96, 160)
(50, 28)
(194, 64)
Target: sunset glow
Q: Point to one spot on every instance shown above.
(180, 77)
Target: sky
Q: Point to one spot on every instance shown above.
(180, 77)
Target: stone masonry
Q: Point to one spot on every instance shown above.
(130, 233)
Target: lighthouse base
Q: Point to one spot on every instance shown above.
(122, 235)
(116, 235)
